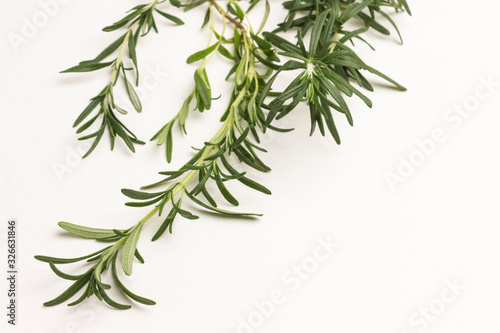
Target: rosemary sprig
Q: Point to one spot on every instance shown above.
(328, 69)
(140, 21)
(327, 64)
(249, 49)
(210, 163)
(302, 13)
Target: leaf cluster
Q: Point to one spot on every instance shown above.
(327, 66)
(91, 280)
(139, 22)
(303, 13)
(246, 51)
(328, 71)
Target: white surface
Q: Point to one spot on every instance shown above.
(399, 250)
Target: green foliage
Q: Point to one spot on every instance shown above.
(328, 66)
(92, 277)
(328, 71)
(139, 22)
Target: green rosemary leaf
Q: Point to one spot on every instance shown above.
(87, 124)
(85, 295)
(99, 267)
(98, 137)
(281, 43)
(112, 302)
(166, 223)
(353, 10)
(172, 18)
(128, 252)
(89, 136)
(332, 90)
(132, 52)
(139, 195)
(201, 54)
(172, 173)
(244, 180)
(206, 19)
(352, 34)
(253, 3)
(253, 184)
(385, 77)
(330, 123)
(262, 43)
(203, 88)
(267, 88)
(143, 203)
(405, 5)
(241, 138)
(266, 14)
(65, 276)
(344, 62)
(126, 291)
(133, 96)
(316, 31)
(122, 22)
(193, 167)
(225, 52)
(175, 3)
(218, 210)
(93, 104)
(216, 155)
(184, 213)
(183, 113)
(225, 193)
(68, 260)
(361, 80)
(391, 21)
(337, 80)
(137, 254)
(88, 67)
(169, 146)
(290, 91)
(374, 24)
(237, 43)
(120, 233)
(86, 232)
(95, 289)
(110, 49)
(204, 176)
(239, 12)
(70, 292)
(209, 198)
(161, 132)
(118, 129)
(107, 240)
(246, 158)
(119, 109)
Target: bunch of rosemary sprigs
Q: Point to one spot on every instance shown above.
(329, 71)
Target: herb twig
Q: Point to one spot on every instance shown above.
(328, 70)
(140, 22)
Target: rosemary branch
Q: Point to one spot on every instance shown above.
(141, 21)
(328, 70)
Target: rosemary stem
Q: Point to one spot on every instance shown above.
(114, 248)
(181, 187)
(125, 42)
(120, 53)
(227, 16)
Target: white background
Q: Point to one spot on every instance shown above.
(399, 249)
